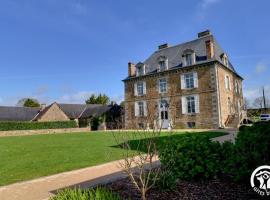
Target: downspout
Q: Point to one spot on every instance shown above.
(218, 98)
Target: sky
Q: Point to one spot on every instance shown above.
(66, 50)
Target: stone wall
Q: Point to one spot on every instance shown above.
(54, 113)
(208, 116)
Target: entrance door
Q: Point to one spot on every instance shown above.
(164, 118)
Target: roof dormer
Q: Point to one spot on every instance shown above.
(162, 63)
(140, 69)
(225, 59)
(189, 57)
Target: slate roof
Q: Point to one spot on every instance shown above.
(75, 111)
(174, 54)
(8, 113)
(96, 110)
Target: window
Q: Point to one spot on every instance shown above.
(141, 108)
(191, 124)
(140, 88)
(236, 87)
(140, 70)
(189, 59)
(162, 65)
(163, 85)
(189, 80)
(191, 104)
(227, 82)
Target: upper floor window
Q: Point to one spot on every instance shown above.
(189, 80)
(225, 60)
(162, 65)
(227, 82)
(189, 59)
(140, 70)
(236, 85)
(163, 85)
(140, 88)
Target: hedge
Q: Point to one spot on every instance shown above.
(7, 126)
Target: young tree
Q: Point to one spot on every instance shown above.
(99, 99)
(31, 103)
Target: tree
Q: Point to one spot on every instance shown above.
(259, 102)
(99, 99)
(31, 103)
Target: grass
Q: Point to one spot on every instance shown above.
(29, 157)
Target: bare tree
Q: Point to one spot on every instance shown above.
(259, 102)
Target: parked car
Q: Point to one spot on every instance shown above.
(265, 117)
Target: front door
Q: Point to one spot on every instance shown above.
(164, 114)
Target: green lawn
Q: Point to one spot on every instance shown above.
(29, 157)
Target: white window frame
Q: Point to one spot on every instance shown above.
(227, 82)
(140, 108)
(161, 83)
(140, 84)
(185, 104)
(140, 70)
(184, 80)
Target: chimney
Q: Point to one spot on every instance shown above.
(204, 33)
(163, 46)
(131, 69)
(209, 49)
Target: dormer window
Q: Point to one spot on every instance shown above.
(225, 60)
(162, 63)
(140, 70)
(189, 57)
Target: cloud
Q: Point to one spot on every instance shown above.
(78, 97)
(41, 90)
(252, 93)
(207, 3)
(261, 67)
(204, 5)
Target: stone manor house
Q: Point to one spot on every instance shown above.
(190, 85)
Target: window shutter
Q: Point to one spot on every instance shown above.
(184, 105)
(145, 108)
(229, 83)
(195, 77)
(136, 109)
(197, 104)
(225, 79)
(135, 89)
(144, 87)
(183, 84)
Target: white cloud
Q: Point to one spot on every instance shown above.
(261, 67)
(252, 93)
(204, 5)
(78, 97)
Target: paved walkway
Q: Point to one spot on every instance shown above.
(230, 137)
(45, 187)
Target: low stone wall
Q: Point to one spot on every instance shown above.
(42, 131)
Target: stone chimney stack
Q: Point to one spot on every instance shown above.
(131, 69)
(209, 49)
(43, 106)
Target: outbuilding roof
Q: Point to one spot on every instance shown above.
(9, 113)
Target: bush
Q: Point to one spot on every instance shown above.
(166, 180)
(90, 194)
(251, 150)
(7, 126)
(194, 157)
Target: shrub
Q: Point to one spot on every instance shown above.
(166, 180)
(194, 157)
(6, 126)
(90, 194)
(251, 150)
